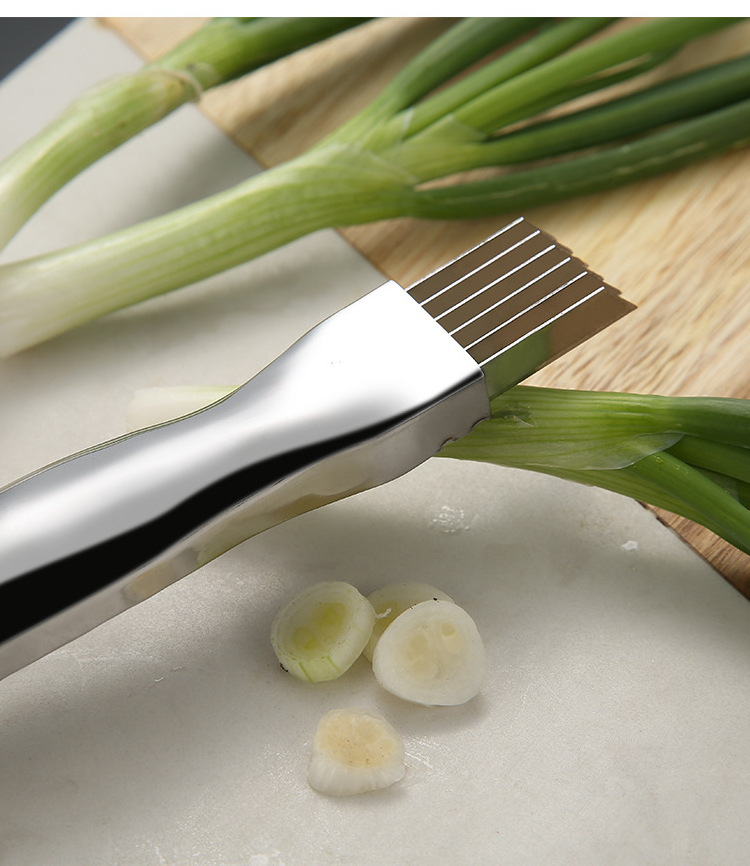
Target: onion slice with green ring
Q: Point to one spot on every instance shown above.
(321, 632)
(431, 654)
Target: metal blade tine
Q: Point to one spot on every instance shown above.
(518, 301)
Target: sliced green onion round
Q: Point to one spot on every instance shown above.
(431, 654)
(392, 600)
(322, 631)
(355, 751)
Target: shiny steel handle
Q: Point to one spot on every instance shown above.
(362, 398)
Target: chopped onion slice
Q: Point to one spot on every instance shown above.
(355, 751)
(431, 654)
(392, 600)
(321, 632)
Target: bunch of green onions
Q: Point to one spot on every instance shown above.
(430, 123)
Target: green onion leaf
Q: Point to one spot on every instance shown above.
(652, 448)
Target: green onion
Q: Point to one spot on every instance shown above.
(390, 601)
(688, 455)
(321, 632)
(355, 751)
(118, 109)
(443, 114)
(431, 654)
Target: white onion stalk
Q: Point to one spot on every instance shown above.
(321, 632)
(119, 108)
(431, 654)
(392, 600)
(355, 751)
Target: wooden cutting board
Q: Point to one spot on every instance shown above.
(678, 246)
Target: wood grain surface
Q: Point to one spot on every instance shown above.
(678, 246)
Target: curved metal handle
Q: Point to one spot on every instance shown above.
(362, 398)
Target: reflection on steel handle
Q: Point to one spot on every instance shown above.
(362, 398)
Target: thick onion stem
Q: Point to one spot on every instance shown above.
(117, 109)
